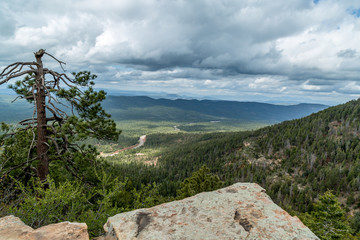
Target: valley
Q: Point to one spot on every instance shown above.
(111, 108)
(296, 161)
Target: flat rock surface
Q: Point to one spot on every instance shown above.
(240, 211)
(12, 228)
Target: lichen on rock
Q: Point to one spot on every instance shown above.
(240, 211)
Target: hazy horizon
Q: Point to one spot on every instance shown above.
(170, 96)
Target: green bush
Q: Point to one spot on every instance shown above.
(328, 220)
(40, 204)
(200, 181)
(46, 203)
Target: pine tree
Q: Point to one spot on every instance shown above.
(200, 181)
(66, 111)
(328, 220)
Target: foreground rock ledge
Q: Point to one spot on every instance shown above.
(241, 211)
(12, 228)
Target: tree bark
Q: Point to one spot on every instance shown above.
(42, 147)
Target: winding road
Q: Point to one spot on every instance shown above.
(142, 141)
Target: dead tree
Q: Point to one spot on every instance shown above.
(72, 111)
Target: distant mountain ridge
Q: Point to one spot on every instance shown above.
(128, 107)
(147, 108)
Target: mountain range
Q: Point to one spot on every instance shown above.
(180, 110)
(146, 108)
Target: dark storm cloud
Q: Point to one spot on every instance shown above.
(204, 34)
(260, 47)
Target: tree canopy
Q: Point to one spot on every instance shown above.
(328, 220)
(67, 110)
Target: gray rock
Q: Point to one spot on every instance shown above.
(240, 211)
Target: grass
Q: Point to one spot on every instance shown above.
(135, 128)
(161, 136)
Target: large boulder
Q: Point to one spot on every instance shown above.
(241, 211)
(12, 228)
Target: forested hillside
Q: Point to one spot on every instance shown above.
(318, 152)
(296, 161)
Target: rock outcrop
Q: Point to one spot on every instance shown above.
(12, 228)
(241, 211)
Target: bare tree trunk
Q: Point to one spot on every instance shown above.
(43, 92)
(42, 147)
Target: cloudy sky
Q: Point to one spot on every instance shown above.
(248, 50)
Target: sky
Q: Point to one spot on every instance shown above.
(279, 51)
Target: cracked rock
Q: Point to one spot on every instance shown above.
(240, 211)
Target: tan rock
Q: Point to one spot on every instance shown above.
(241, 211)
(60, 231)
(12, 228)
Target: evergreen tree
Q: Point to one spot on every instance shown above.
(328, 220)
(355, 224)
(200, 181)
(66, 111)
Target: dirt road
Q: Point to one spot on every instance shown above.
(142, 141)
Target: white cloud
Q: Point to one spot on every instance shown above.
(351, 87)
(307, 86)
(255, 47)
